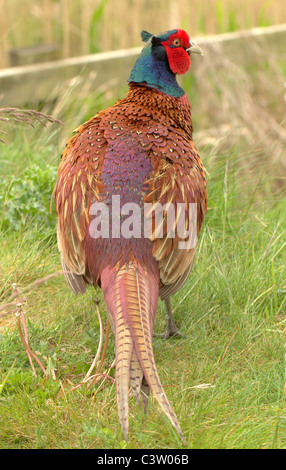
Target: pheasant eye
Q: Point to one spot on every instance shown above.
(176, 42)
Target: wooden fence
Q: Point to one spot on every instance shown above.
(80, 27)
(41, 82)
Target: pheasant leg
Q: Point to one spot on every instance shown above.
(171, 329)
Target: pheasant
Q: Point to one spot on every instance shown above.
(135, 157)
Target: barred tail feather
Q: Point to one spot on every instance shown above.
(131, 295)
(124, 347)
(136, 376)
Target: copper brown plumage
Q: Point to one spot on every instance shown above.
(140, 150)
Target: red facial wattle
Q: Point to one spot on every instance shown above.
(178, 58)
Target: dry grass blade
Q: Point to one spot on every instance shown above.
(105, 376)
(31, 286)
(99, 346)
(22, 323)
(92, 378)
(95, 377)
(104, 346)
(26, 116)
(4, 133)
(27, 347)
(89, 379)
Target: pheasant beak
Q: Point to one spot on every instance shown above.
(194, 48)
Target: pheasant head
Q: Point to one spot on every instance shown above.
(164, 56)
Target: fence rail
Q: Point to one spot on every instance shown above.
(86, 26)
(39, 82)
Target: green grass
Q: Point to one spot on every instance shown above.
(231, 313)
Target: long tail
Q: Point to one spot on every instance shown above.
(131, 295)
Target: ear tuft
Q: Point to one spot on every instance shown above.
(145, 35)
(156, 41)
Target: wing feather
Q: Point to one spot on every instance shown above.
(76, 188)
(178, 180)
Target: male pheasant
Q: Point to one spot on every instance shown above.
(135, 155)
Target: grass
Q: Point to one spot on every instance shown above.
(231, 313)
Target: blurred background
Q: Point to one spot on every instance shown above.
(76, 27)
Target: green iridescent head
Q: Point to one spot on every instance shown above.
(163, 57)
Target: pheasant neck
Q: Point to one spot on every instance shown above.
(156, 74)
(152, 102)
